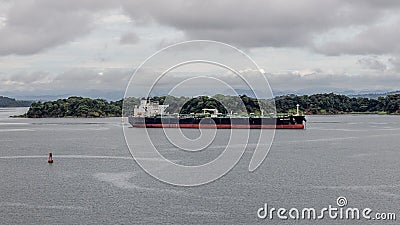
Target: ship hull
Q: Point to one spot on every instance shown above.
(289, 122)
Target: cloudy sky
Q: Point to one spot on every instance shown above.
(91, 47)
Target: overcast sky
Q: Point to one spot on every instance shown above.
(52, 47)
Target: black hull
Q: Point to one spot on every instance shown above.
(289, 122)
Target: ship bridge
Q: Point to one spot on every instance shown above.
(148, 108)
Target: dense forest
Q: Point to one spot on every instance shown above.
(75, 107)
(309, 104)
(10, 102)
(334, 104)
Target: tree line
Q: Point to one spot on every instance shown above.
(11, 102)
(328, 103)
(308, 104)
(75, 107)
(335, 104)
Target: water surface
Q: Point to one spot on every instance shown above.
(94, 179)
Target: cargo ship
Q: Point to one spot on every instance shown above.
(151, 114)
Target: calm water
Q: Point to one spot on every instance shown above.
(95, 181)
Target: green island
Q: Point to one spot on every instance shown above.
(11, 102)
(74, 107)
(309, 104)
(328, 103)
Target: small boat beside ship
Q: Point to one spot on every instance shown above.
(151, 114)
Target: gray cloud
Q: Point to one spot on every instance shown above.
(75, 80)
(129, 38)
(81, 79)
(25, 78)
(370, 28)
(395, 63)
(325, 82)
(96, 83)
(375, 39)
(32, 26)
(277, 23)
(35, 25)
(373, 62)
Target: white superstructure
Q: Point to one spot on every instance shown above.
(148, 108)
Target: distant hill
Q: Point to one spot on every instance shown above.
(11, 102)
(374, 95)
(61, 94)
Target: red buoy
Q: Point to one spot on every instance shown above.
(50, 160)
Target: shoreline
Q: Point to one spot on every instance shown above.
(105, 117)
